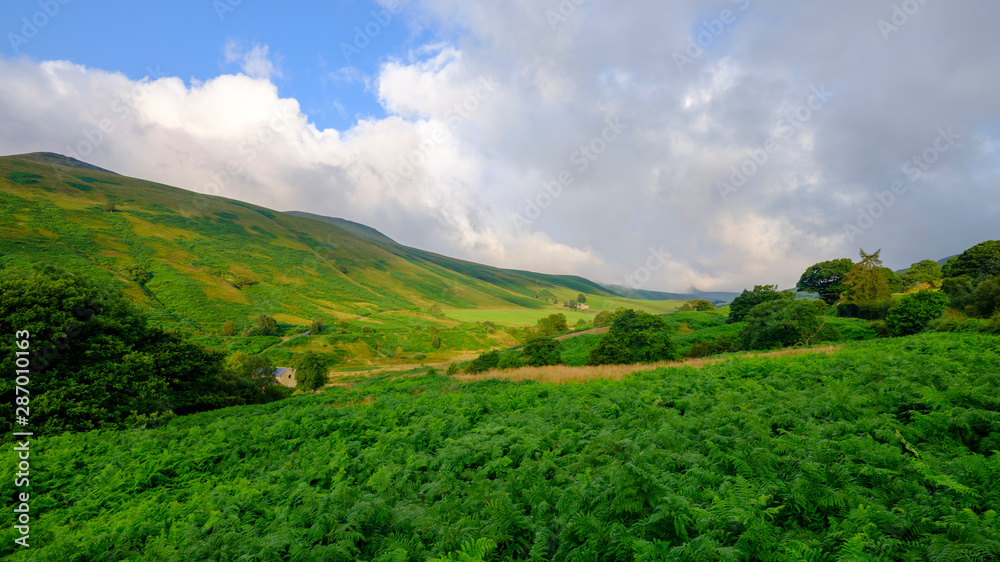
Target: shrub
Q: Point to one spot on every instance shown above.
(510, 360)
(741, 305)
(785, 322)
(228, 328)
(872, 310)
(484, 363)
(914, 312)
(635, 337)
(542, 351)
(985, 300)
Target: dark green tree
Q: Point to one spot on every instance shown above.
(914, 312)
(741, 305)
(958, 289)
(926, 271)
(264, 325)
(436, 341)
(893, 281)
(610, 351)
(785, 322)
(310, 371)
(581, 298)
(826, 278)
(980, 262)
(542, 351)
(95, 362)
(484, 362)
(645, 337)
(984, 302)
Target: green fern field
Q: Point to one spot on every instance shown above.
(885, 450)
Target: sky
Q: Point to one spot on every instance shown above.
(661, 145)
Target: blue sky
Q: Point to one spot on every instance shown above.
(449, 129)
(187, 39)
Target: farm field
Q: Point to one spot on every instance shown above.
(880, 450)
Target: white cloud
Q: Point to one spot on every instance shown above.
(455, 160)
(255, 62)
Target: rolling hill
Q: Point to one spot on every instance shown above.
(198, 261)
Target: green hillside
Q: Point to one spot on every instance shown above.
(198, 261)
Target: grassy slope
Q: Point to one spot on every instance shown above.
(305, 268)
(878, 451)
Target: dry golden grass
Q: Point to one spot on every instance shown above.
(561, 374)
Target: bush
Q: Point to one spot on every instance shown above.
(725, 343)
(539, 352)
(484, 363)
(785, 322)
(985, 300)
(635, 337)
(510, 360)
(873, 310)
(741, 305)
(914, 312)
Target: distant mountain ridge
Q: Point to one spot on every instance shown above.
(54, 159)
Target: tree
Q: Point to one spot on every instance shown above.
(784, 322)
(958, 289)
(552, 324)
(110, 206)
(643, 336)
(436, 341)
(484, 362)
(914, 312)
(980, 262)
(138, 274)
(984, 302)
(264, 325)
(245, 282)
(310, 371)
(926, 271)
(317, 327)
(228, 328)
(539, 352)
(865, 282)
(697, 305)
(826, 278)
(894, 281)
(452, 369)
(435, 309)
(581, 298)
(610, 351)
(604, 318)
(741, 305)
(95, 362)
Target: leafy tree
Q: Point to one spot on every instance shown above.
(484, 362)
(914, 312)
(604, 318)
(581, 298)
(926, 271)
(435, 309)
(138, 274)
(317, 327)
(552, 324)
(697, 305)
(826, 278)
(228, 328)
(251, 377)
(452, 369)
(610, 351)
(958, 289)
(985, 300)
(785, 322)
(741, 305)
(95, 362)
(980, 262)
(643, 336)
(245, 282)
(542, 351)
(264, 325)
(894, 281)
(865, 282)
(310, 371)
(510, 360)
(110, 206)
(436, 341)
